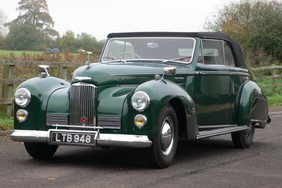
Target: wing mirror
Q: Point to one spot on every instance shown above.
(169, 71)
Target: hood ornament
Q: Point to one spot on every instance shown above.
(43, 69)
(88, 62)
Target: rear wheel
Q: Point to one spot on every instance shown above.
(164, 146)
(243, 139)
(40, 150)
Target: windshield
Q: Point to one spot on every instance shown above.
(150, 48)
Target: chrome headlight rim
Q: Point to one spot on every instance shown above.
(140, 101)
(22, 97)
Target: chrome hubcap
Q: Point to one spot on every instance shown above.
(167, 135)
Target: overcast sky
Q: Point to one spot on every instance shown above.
(100, 17)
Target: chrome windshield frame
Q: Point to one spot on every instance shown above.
(106, 48)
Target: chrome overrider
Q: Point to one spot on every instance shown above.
(102, 139)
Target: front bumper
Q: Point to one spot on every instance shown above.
(123, 140)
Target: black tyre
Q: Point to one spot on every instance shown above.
(40, 150)
(164, 146)
(243, 139)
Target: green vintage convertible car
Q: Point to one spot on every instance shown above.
(148, 90)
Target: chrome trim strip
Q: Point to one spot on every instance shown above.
(123, 140)
(216, 126)
(258, 121)
(221, 131)
(82, 78)
(221, 73)
(56, 119)
(76, 126)
(109, 122)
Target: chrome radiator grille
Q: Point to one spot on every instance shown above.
(82, 104)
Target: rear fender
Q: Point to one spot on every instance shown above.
(253, 105)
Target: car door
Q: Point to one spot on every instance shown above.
(238, 77)
(213, 85)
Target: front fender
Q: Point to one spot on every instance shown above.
(111, 99)
(253, 105)
(41, 89)
(162, 93)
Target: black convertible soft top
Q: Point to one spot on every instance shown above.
(204, 35)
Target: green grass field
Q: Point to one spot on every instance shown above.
(18, 53)
(8, 54)
(274, 94)
(66, 56)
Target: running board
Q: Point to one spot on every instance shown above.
(220, 131)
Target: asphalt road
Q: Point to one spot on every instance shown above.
(204, 163)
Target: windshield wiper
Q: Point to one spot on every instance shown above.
(116, 61)
(109, 57)
(185, 59)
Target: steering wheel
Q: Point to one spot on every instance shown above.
(132, 53)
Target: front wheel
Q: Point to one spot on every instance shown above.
(164, 146)
(40, 150)
(243, 139)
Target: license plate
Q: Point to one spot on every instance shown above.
(73, 138)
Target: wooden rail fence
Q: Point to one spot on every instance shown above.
(11, 77)
(275, 75)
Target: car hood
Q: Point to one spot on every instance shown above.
(125, 73)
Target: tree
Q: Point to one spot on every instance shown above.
(2, 27)
(89, 43)
(36, 13)
(24, 37)
(255, 24)
(85, 41)
(2, 22)
(68, 41)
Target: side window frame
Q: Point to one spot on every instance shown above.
(200, 54)
(227, 53)
(212, 58)
(229, 57)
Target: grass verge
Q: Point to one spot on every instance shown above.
(275, 101)
(6, 122)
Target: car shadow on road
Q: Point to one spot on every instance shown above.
(130, 158)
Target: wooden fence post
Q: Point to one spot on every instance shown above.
(274, 76)
(7, 88)
(63, 72)
(2, 88)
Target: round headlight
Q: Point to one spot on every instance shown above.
(22, 97)
(140, 101)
